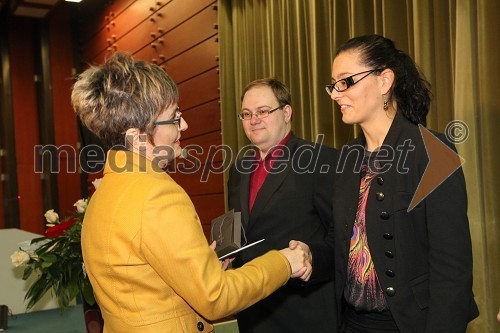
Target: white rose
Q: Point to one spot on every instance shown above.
(81, 205)
(19, 258)
(96, 182)
(51, 216)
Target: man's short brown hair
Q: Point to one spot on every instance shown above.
(280, 90)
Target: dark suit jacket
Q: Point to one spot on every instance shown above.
(423, 258)
(295, 202)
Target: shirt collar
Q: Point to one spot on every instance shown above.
(275, 151)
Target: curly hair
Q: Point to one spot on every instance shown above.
(122, 93)
(410, 89)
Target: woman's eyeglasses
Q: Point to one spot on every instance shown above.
(346, 83)
(177, 120)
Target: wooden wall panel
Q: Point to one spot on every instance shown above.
(208, 206)
(97, 45)
(100, 58)
(200, 89)
(122, 24)
(202, 118)
(26, 120)
(147, 53)
(202, 182)
(95, 15)
(205, 148)
(194, 61)
(65, 123)
(193, 31)
(98, 26)
(154, 36)
(181, 36)
(93, 18)
(178, 11)
(116, 7)
(137, 38)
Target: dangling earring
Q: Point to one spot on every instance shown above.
(386, 104)
(386, 108)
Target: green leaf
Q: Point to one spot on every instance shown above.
(27, 272)
(46, 264)
(87, 292)
(37, 290)
(48, 257)
(39, 239)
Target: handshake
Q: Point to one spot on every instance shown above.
(300, 258)
(298, 254)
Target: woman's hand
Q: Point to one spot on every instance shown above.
(224, 262)
(298, 262)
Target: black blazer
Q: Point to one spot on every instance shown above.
(423, 258)
(295, 202)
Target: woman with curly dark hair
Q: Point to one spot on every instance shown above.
(399, 267)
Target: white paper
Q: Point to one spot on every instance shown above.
(241, 249)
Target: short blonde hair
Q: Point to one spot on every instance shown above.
(122, 93)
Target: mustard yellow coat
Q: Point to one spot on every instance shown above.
(148, 259)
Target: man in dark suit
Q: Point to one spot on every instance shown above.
(283, 189)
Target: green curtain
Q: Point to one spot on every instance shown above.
(455, 43)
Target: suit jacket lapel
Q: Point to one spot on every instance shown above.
(274, 179)
(247, 164)
(352, 167)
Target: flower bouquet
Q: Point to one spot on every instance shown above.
(57, 260)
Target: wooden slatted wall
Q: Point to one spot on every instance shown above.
(181, 37)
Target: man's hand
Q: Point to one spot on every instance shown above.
(297, 260)
(306, 275)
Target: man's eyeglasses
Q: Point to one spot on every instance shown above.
(177, 120)
(346, 83)
(263, 113)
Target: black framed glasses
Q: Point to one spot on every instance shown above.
(262, 113)
(346, 83)
(177, 120)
